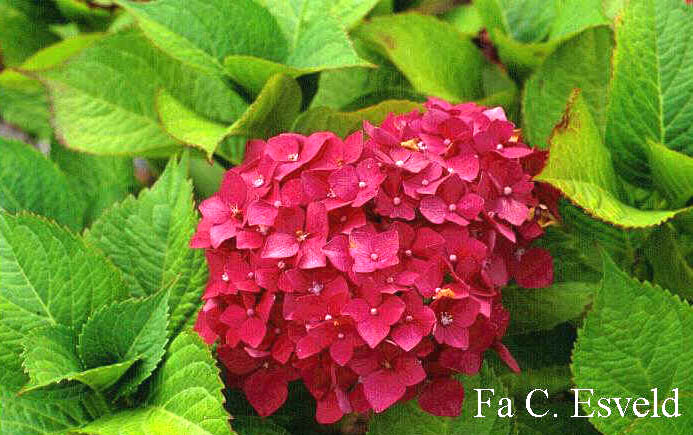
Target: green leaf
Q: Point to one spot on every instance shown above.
(48, 276)
(92, 15)
(627, 349)
(294, 37)
(147, 238)
(46, 192)
(672, 173)
(185, 399)
(193, 31)
(273, 112)
(652, 95)
(50, 360)
(355, 88)
(100, 180)
(525, 32)
(125, 331)
(465, 18)
(670, 269)
(592, 184)
(24, 99)
(535, 309)
(101, 116)
(436, 58)
(582, 62)
(23, 29)
(344, 123)
(29, 415)
(187, 126)
(351, 12)
(409, 418)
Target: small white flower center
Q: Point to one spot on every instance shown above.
(408, 253)
(374, 256)
(399, 163)
(507, 190)
(424, 182)
(452, 207)
(397, 200)
(453, 257)
(446, 319)
(409, 318)
(316, 288)
(451, 170)
(447, 142)
(491, 214)
(277, 203)
(251, 275)
(331, 194)
(340, 336)
(263, 229)
(438, 289)
(225, 277)
(250, 312)
(374, 311)
(362, 184)
(328, 317)
(292, 157)
(281, 265)
(259, 181)
(499, 147)
(343, 219)
(390, 279)
(421, 146)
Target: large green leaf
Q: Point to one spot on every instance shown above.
(198, 32)
(50, 360)
(126, 331)
(290, 36)
(636, 338)
(582, 62)
(48, 276)
(46, 192)
(24, 99)
(409, 419)
(591, 181)
(652, 94)
(535, 309)
(436, 58)
(29, 415)
(103, 98)
(100, 180)
(147, 238)
(23, 29)
(344, 123)
(185, 399)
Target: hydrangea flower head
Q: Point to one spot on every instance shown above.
(371, 268)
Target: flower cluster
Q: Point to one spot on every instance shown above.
(371, 267)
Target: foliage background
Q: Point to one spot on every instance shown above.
(98, 287)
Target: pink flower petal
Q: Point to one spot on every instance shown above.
(280, 245)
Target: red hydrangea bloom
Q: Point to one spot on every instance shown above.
(371, 268)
